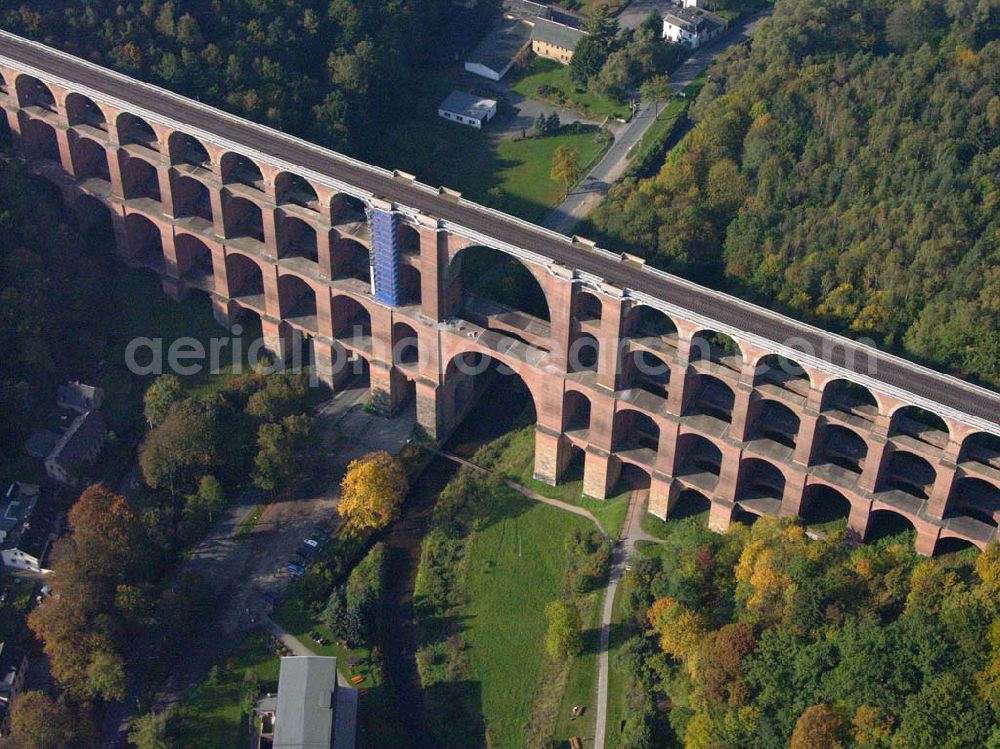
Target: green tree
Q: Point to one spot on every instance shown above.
(106, 677)
(281, 450)
(165, 391)
(150, 731)
(566, 169)
(176, 453)
(564, 638)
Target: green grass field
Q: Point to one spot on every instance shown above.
(513, 456)
(516, 567)
(542, 72)
(211, 716)
(509, 175)
(502, 575)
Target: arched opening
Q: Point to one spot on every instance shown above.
(350, 259)
(715, 347)
(497, 291)
(408, 238)
(46, 190)
(698, 459)
(31, 92)
(742, 516)
(39, 141)
(504, 401)
(822, 504)
(777, 371)
(887, 524)
(90, 159)
(584, 353)
(576, 411)
(710, 396)
(140, 180)
(95, 218)
(841, 447)
(587, 308)
(983, 448)
(144, 242)
(348, 213)
(632, 478)
(350, 319)
(246, 279)
(83, 111)
(759, 479)
(689, 504)
(405, 344)
(634, 430)
(648, 372)
(297, 302)
(186, 149)
(975, 498)
(243, 218)
(194, 261)
(291, 189)
(296, 238)
(909, 473)
(772, 420)
(920, 424)
(6, 141)
(644, 322)
(850, 398)
(409, 285)
(135, 130)
(239, 170)
(953, 545)
(191, 199)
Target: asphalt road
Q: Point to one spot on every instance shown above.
(596, 183)
(461, 215)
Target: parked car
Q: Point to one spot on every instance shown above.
(295, 568)
(312, 542)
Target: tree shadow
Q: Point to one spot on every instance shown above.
(454, 716)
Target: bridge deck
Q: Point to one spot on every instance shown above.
(928, 386)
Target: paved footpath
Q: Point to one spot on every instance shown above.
(631, 533)
(612, 165)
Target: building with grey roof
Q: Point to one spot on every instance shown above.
(27, 526)
(556, 41)
(311, 710)
(79, 397)
(500, 49)
(80, 443)
(466, 109)
(692, 26)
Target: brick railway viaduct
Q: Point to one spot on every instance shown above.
(636, 371)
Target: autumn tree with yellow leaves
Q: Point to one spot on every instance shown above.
(372, 491)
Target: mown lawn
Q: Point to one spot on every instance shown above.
(516, 567)
(211, 716)
(542, 73)
(513, 456)
(512, 176)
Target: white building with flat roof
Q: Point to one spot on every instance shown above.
(466, 109)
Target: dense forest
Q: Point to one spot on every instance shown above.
(845, 170)
(764, 639)
(337, 72)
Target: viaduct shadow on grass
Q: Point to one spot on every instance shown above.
(455, 716)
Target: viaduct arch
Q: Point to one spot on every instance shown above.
(716, 401)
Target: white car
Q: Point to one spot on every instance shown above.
(312, 543)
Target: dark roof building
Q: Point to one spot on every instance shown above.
(496, 53)
(27, 522)
(555, 34)
(79, 397)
